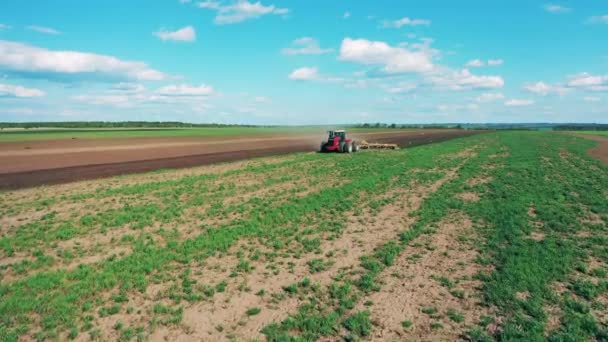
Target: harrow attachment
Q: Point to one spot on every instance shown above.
(364, 145)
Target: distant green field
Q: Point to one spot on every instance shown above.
(602, 133)
(64, 133)
(519, 218)
(15, 135)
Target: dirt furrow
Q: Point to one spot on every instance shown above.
(361, 236)
(431, 293)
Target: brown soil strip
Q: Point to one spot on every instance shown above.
(24, 197)
(468, 196)
(599, 152)
(77, 173)
(33, 169)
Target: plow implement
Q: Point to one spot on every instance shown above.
(364, 145)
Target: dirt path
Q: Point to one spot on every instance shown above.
(599, 152)
(28, 164)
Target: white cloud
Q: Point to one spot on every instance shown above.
(305, 74)
(19, 91)
(240, 10)
(401, 87)
(489, 97)
(538, 88)
(112, 100)
(352, 83)
(43, 29)
(543, 88)
(587, 80)
(129, 95)
(414, 58)
(591, 99)
(554, 8)
(210, 4)
(305, 46)
(406, 22)
(457, 107)
(312, 74)
(4, 27)
(600, 19)
(128, 87)
(261, 99)
(28, 59)
(476, 63)
(346, 15)
(185, 90)
(393, 60)
(185, 34)
(464, 80)
(518, 103)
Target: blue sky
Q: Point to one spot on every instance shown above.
(304, 62)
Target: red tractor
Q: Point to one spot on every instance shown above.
(338, 142)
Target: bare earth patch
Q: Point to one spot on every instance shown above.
(361, 236)
(554, 314)
(480, 180)
(599, 152)
(469, 196)
(430, 282)
(536, 236)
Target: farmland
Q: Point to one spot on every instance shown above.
(13, 135)
(492, 236)
(38, 134)
(35, 160)
(600, 133)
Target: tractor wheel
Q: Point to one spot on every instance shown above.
(348, 148)
(355, 146)
(322, 149)
(342, 148)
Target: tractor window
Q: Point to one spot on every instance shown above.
(341, 135)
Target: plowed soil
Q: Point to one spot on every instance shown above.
(27, 164)
(599, 152)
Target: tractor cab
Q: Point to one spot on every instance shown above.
(337, 134)
(338, 142)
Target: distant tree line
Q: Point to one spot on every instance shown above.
(394, 125)
(582, 127)
(110, 124)
(177, 124)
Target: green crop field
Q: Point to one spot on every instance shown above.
(498, 236)
(12, 135)
(601, 133)
(18, 134)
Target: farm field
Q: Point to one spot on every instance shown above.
(599, 133)
(494, 236)
(35, 162)
(37, 134)
(600, 151)
(18, 134)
